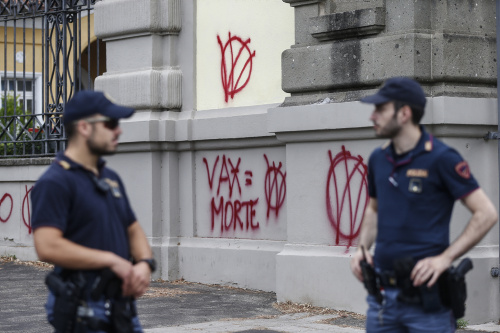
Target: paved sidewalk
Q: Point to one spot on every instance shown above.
(298, 322)
(177, 307)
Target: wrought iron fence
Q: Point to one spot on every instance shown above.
(49, 54)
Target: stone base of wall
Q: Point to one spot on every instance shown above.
(24, 253)
(237, 262)
(319, 275)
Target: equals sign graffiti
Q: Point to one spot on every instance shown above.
(248, 180)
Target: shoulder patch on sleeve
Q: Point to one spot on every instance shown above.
(462, 168)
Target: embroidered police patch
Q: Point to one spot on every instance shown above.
(415, 185)
(423, 173)
(463, 170)
(115, 187)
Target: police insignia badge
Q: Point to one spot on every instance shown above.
(463, 170)
(115, 187)
(422, 173)
(415, 185)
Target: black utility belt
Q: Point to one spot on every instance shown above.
(71, 312)
(96, 283)
(449, 291)
(387, 279)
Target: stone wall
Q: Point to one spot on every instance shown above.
(270, 196)
(344, 49)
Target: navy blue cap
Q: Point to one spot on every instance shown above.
(87, 103)
(401, 89)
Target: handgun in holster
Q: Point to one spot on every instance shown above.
(370, 279)
(68, 293)
(453, 287)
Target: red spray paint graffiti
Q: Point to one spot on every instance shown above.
(26, 208)
(228, 208)
(6, 207)
(235, 75)
(275, 187)
(231, 214)
(234, 213)
(346, 196)
(225, 174)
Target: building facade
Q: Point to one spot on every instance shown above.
(246, 160)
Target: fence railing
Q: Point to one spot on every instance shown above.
(50, 52)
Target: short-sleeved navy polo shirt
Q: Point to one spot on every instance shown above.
(415, 194)
(67, 197)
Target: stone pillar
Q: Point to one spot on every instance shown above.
(304, 9)
(140, 41)
(350, 47)
(143, 72)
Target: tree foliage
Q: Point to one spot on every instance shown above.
(18, 136)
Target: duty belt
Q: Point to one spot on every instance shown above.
(387, 279)
(71, 311)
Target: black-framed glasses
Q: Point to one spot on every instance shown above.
(109, 123)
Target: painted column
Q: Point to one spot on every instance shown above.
(143, 72)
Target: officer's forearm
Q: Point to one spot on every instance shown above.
(484, 217)
(52, 247)
(368, 232)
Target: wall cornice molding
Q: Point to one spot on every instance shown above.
(115, 18)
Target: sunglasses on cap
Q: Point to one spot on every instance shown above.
(109, 123)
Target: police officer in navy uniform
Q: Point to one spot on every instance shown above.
(84, 225)
(414, 180)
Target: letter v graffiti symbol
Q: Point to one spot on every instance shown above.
(211, 177)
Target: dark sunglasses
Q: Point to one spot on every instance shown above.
(109, 123)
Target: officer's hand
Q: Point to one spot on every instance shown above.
(356, 259)
(141, 279)
(429, 269)
(123, 269)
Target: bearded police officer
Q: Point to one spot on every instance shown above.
(84, 225)
(414, 180)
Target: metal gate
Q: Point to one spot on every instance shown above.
(49, 54)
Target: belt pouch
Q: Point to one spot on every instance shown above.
(402, 269)
(430, 298)
(64, 314)
(121, 316)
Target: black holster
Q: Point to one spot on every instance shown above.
(454, 289)
(370, 281)
(450, 290)
(68, 293)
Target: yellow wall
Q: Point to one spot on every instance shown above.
(29, 51)
(269, 24)
(15, 45)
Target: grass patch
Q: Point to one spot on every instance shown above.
(462, 323)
